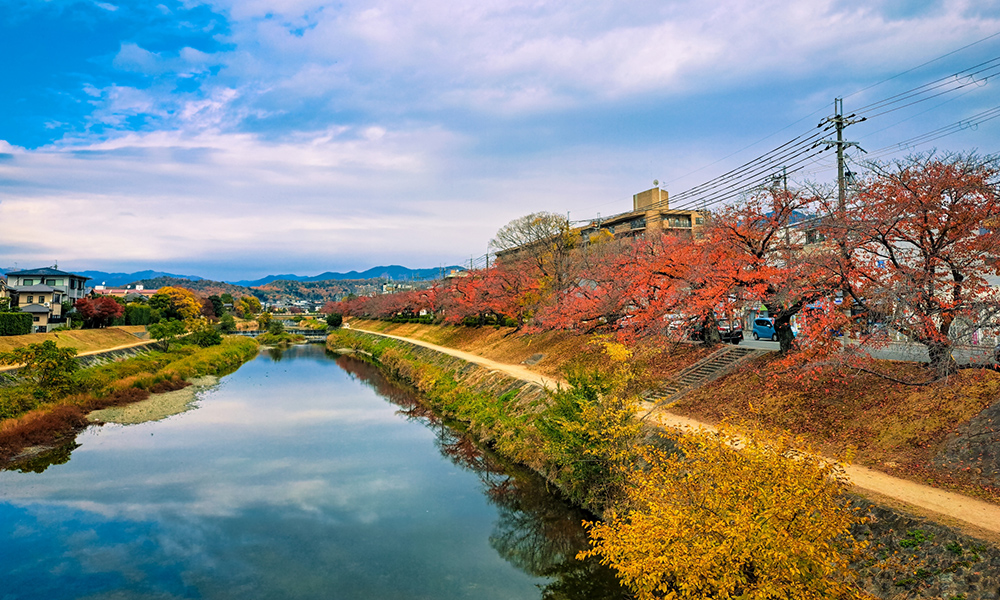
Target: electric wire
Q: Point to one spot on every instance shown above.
(920, 66)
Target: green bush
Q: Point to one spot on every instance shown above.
(227, 324)
(206, 337)
(138, 314)
(334, 320)
(17, 323)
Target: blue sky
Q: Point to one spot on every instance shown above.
(236, 138)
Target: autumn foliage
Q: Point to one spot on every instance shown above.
(912, 254)
(100, 311)
(730, 517)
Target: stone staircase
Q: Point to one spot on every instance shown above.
(711, 367)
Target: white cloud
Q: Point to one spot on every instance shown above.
(526, 56)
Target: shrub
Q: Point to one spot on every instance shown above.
(206, 337)
(15, 323)
(334, 320)
(227, 324)
(48, 367)
(730, 517)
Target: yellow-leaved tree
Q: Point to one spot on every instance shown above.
(176, 303)
(722, 517)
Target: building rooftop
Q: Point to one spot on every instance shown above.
(33, 288)
(35, 308)
(45, 271)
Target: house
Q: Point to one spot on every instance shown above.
(650, 212)
(42, 292)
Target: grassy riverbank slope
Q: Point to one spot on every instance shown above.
(549, 353)
(29, 421)
(946, 433)
(83, 340)
(940, 433)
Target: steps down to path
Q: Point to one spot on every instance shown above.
(711, 367)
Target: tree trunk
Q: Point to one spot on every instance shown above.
(783, 327)
(942, 362)
(710, 331)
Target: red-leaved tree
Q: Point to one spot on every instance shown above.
(100, 311)
(924, 242)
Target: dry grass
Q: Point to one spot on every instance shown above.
(42, 426)
(892, 427)
(84, 340)
(654, 359)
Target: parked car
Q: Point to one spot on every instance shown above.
(730, 331)
(763, 328)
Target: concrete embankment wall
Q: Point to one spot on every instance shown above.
(8, 374)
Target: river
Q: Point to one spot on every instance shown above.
(301, 475)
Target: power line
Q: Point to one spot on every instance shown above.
(990, 71)
(933, 60)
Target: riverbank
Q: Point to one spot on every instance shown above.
(35, 425)
(945, 434)
(84, 341)
(909, 554)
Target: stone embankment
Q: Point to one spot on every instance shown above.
(908, 556)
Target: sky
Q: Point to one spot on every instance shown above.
(233, 139)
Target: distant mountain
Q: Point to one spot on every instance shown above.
(393, 272)
(120, 279)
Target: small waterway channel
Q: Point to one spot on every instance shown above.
(302, 475)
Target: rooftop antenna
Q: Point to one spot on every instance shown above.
(656, 183)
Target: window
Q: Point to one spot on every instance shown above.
(699, 220)
(35, 319)
(55, 298)
(28, 282)
(50, 282)
(31, 299)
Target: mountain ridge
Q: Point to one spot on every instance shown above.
(393, 272)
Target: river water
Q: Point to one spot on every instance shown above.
(301, 475)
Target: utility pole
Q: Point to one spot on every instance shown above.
(840, 121)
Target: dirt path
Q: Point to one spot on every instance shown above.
(976, 517)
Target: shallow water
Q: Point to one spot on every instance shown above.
(298, 476)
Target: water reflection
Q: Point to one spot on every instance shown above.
(537, 530)
(288, 481)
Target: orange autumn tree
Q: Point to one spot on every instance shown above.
(925, 241)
